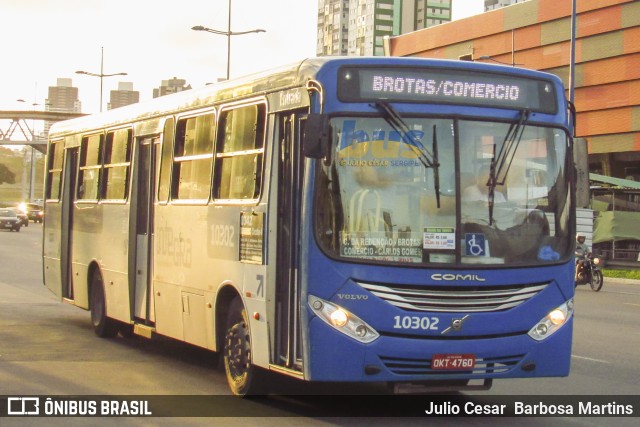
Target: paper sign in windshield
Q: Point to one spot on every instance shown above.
(439, 238)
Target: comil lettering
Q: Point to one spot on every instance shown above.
(446, 88)
(451, 277)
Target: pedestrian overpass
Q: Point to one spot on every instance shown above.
(14, 129)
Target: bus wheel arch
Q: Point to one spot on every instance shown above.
(103, 326)
(225, 296)
(234, 335)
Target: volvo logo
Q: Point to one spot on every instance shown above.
(452, 277)
(353, 297)
(456, 325)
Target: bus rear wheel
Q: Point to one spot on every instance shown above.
(103, 326)
(242, 376)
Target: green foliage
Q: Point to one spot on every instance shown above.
(17, 161)
(6, 176)
(622, 274)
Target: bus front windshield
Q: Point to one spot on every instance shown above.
(431, 190)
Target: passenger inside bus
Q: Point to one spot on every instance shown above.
(369, 206)
(479, 191)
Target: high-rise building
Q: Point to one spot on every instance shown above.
(171, 86)
(358, 27)
(125, 95)
(62, 98)
(497, 4)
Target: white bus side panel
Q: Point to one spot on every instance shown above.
(196, 252)
(101, 235)
(254, 284)
(181, 272)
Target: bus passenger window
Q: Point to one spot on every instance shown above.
(193, 153)
(90, 167)
(54, 168)
(239, 153)
(117, 157)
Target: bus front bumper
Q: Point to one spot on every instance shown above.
(335, 357)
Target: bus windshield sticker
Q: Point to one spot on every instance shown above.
(382, 247)
(476, 245)
(443, 238)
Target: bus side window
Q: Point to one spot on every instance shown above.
(117, 158)
(54, 170)
(166, 160)
(90, 167)
(193, 154)
(239, 153)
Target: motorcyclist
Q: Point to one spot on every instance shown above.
(582, 251)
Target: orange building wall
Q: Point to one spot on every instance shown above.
(536, 34)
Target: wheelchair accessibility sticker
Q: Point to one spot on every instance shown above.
(475, 244)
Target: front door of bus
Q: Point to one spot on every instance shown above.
(142, 211)
(290, 172)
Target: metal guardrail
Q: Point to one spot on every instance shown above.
(617, 264)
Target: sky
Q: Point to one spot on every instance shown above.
(150, 40)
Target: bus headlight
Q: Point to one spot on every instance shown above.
(552, 321)
(342, 320)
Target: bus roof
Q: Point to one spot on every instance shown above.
(288, 76)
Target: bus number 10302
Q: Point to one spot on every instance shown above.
(416, 322)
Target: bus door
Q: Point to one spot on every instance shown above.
(141, 230)
(290, 172)
(66, 223)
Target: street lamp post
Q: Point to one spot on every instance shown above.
(32, 174)
(227, 33)
(102, 75)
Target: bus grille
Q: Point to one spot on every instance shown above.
(489, 365)
(455, 299)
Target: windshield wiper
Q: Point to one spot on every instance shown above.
(436, 167)
(499, 167)
(427, 159)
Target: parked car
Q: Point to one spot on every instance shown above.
(9, 219)
(22, 215)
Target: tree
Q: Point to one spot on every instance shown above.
(6, 176)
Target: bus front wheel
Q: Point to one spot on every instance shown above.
(103, 326)
(242, 376)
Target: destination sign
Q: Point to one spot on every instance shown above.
(449, 86)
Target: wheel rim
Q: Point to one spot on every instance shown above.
(238, 352)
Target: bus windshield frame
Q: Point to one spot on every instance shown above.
(378, 201)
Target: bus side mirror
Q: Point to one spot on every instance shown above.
(317, 134)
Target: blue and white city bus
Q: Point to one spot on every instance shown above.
(396, 220)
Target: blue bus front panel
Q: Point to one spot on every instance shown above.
(496, 335)
(336, 357)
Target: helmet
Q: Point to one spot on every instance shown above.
(580, 238)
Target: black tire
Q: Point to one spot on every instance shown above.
(103, 326)
(596, 280)
(17, 229)
(242, 376)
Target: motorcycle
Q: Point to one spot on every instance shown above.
(588, 272)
